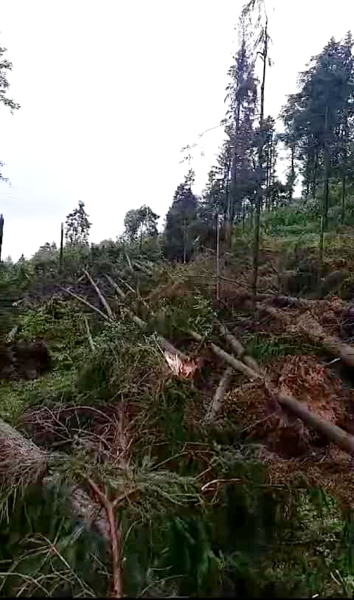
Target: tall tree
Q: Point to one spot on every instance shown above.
(258, 9)
(181, 221)
(320, 114)
(5, 67)
(140, 222)
(77, 226)
(1, 232)
(242, 99)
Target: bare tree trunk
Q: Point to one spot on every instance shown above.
(61, 248)
(260, 162)
(216, 405)
(217, 258)
(327, 159)
(343, 198)
(2, 221)
(184, 242)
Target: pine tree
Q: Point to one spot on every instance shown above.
(242, 99)
(181, 219)
(77, 227)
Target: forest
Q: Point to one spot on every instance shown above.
(177, 405)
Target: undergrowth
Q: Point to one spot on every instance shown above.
(198, 518)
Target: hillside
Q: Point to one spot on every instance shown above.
(155, 455)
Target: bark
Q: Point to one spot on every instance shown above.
(260, 161)
(1, 233)
(61, 248)
(343, 198)
(233, 362)
(219, 395)
(239, 349)
(23, 463)
(109, 506)
(217, 258)
(327, 161)
(313, 330)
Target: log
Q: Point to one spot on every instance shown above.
(334, 433)
(216, 405)
(239, 349)
(22, 463)
(233, 362)
(311, 328)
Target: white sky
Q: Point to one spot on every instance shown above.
(110, 91)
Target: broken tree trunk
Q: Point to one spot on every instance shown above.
(219, 395)
(310, 327)
(334, 433)
(238, 349)
(22, 463)
(233, 362)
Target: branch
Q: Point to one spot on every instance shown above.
(100, 295)
(117, 584)
(91, 342)
(334, 433)
(84, 302)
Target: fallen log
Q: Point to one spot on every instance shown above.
(238, 348)
(22, 463)
(216, 405)
(310, 327)
(334, 433)
(233, 362)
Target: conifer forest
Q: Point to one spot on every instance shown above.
(177, 405)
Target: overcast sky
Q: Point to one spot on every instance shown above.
(110, 90)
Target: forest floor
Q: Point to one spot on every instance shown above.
(121, 341)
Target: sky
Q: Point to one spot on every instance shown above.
(111, 90)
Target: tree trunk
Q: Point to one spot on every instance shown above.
(326, 175)
(343, 198)
(61, 248)
(292, 172)
(184, 242)
(260, 163)
(314, 178)
(1, 233)
(217, 258)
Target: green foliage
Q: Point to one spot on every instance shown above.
(140, 223)
(265, 347)
(181, 222)
(77, 227)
